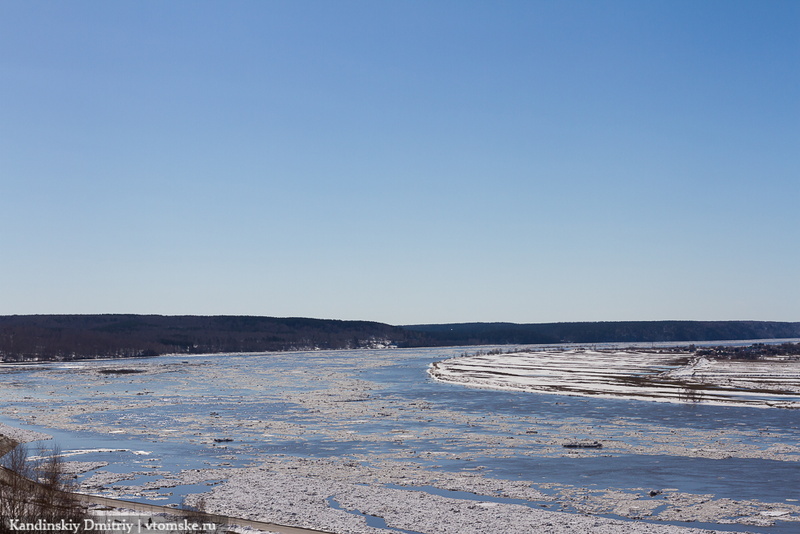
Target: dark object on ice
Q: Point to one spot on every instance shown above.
(653, 493)
(223, 440)
(120, 371)
(583, 445)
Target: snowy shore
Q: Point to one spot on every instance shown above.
(660, 377)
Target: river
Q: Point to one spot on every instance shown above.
(159, 416)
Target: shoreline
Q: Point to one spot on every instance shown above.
(630, 375)
(6, 445)
(12, 436)
(565, 346)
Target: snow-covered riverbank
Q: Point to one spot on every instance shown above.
(656, 376)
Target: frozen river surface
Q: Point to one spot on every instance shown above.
(175, 426)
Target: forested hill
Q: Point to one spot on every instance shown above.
(65, 337)
(26, 337)
(601, 332)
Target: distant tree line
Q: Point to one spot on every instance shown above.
(604, 332)
(69, 337)
(755, 351)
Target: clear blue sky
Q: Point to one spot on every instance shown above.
(402, 161)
